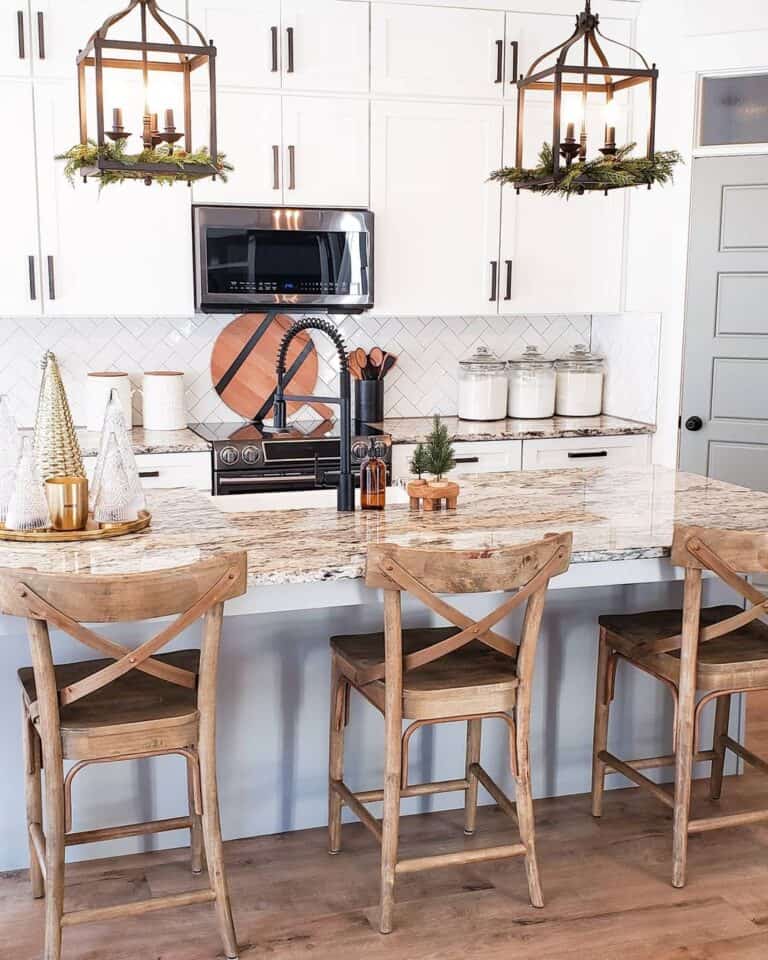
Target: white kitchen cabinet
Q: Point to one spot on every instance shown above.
(437, 217)
(60, 28)
(437, 51)
(164, 471)
(15, 38)
(246, 36)
(585, 452)
(325, 151)
(325, 45)
(123, 250)
(482, 456)
(19, 254)
(250, 134)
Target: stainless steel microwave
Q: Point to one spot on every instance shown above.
(291, 258)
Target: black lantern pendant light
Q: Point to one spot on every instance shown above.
(161, 152)
(578, 72)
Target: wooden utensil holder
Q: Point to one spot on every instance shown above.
(431, 494)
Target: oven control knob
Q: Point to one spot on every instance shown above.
(229, 455)
(251, 455)
(359, 450)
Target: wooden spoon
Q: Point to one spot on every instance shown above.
(362, 360)
(376, 357)
(354, 366)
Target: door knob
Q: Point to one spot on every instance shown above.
(694, 423)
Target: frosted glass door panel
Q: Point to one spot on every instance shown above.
(734, 110)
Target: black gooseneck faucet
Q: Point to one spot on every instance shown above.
(346, 489)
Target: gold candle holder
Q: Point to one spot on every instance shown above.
(67, 502)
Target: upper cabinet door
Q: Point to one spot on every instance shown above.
(247, 39)
(20, 288)
(437, 217)
(126, 249)
(437, 51)
(558, 255)
(61, 29)
(325, 151)
(15, 38)
(325, 45)
(250, 134)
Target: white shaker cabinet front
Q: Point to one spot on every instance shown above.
(20, 288)
(246, 35)
(250, 134)
(437, 217)
(15, 38)
(325, 46)
(325, 151)
(123, 250)
(437, 51)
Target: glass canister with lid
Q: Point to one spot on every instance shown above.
(482, 386)
(580, 378)
(531, 386)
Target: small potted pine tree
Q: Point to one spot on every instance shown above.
(434, 457)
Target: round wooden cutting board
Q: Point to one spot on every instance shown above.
(243, 365)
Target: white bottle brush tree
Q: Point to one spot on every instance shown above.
(436, 455)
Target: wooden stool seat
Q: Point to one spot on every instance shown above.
(442, 688)
(137, 706)
(740, 658)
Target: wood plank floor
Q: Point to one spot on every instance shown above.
(606, 886)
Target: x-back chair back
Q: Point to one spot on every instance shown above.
(138, 702)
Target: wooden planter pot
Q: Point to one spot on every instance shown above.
(432, 494)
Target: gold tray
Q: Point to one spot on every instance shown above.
(93, 531)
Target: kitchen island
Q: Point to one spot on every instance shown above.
(305, 568)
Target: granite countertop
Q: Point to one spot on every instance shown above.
(416, 429)
(406, 430)
(614, 513)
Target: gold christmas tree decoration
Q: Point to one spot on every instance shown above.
(56, 444)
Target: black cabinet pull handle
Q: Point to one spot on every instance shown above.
(508, 291)
(289, 31)
(149, 474)
(494, 279)
(499, 61)
(514, 45)
(274, 49)
(41, 34)
(466, 459)
(51, 280)
(32, 285)
(586, 454)
(291, 167)
(20, 31)
(275, 166)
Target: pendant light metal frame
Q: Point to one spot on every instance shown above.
(101, 53)
(585, 78)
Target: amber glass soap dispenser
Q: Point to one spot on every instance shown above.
(373, 480)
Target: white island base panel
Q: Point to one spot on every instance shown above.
(273, 710)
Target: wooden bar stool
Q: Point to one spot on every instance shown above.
(135, 704)
(717, 650)
(463, 672)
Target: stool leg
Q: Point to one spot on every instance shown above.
(526, 819)
(722, 716)
(54, 855)
(34, 796)
(339, 700)
(474, 730)
(602, 716)
(390, 821)
(196, 829)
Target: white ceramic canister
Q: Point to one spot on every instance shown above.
(580, 378)
(163, 400)
(98, 388)
(531, 386)
(482, 386)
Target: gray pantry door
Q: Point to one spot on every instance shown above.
(725, 373)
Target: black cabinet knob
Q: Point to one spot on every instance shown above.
(694, 423)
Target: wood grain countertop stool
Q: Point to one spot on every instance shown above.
(716, 650)
(464, 672)
(134, 704)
